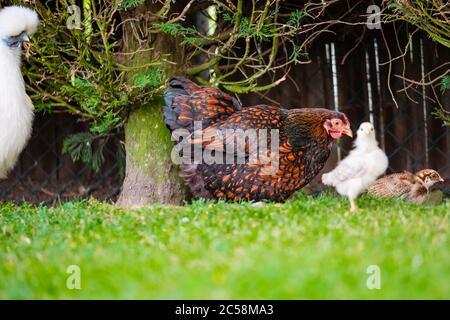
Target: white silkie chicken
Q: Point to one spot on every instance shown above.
(363, 165)
(16, 108)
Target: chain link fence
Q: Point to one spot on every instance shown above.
(45, 174)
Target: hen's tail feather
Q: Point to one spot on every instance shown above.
(186, 102)
(195, 180)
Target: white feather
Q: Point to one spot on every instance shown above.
(16, 108)
(363, 165)
(16, 19)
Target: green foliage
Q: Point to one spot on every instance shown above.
(441, 113)
(81, 72)
(252, 42)
(174, 29)
(298, 54)
(444, 115)
(263, 33)
(108, 121)
(226, 16)
(296, 17)
(89, 149)
(80, 148)
(394, 5)
(445, 84)
(306, 248)
(188, 34)
(262, 30)
(429, 16)
(151, 79)
(84, 93)
(128, 4)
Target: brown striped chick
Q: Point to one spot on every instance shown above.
(406, 185)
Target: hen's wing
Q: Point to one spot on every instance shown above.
(246, 128)
(243, 135)
(273, 176)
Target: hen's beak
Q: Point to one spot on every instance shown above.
(348, 132)
(24, 38)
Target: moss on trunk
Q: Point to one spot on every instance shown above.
(151, 176)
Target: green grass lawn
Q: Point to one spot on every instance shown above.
(306, 248)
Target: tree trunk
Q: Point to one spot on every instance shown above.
(150, 175)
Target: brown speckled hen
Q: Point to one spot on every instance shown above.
(409, 186)
(305, 138)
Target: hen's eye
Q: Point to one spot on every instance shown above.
(13, 42)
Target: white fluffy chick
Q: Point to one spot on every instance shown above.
(363, 165)
(16, 108)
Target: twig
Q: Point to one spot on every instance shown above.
(182, 15)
